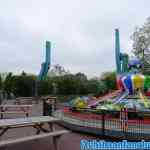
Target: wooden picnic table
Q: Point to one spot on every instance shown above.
(15, 105)
(35, 122)
(15, 109)
(24, 100)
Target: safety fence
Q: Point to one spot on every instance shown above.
(119, 124)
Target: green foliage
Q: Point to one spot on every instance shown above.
(23, 85)
(1, 83)
(67, 84)
(8, 83)
(141, 45)
(147, 83)
(45, 87)
(81, 83)
(94, 86)
(102, 88)
(109, 79)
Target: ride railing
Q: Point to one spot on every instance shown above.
(121, 124)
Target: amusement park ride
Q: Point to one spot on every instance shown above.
(45, 65)
(87, 113)
(130, 82)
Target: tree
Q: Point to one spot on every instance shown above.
(23, 85)
(45, 87)
(109, 79)
(93, 86)
(66, 84)
(102, 88)
(141, 44)
(81, 76)
(81, 83)
(1, 83)
(57, 70)
(8, 83)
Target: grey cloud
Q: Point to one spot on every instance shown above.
(81, 32)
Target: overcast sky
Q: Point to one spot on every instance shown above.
(81, 32)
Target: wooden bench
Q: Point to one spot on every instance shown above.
(55, 137)
(24, 100)
(15, 109)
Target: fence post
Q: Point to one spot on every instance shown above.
(103, 122)
(124, 120)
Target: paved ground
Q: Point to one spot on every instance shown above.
(67, 142)
(70, 141)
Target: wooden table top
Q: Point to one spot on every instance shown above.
(14, 106)
(27, 121)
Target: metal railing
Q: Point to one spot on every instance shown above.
(133, 125)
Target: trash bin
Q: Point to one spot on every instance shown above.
(49, 105)
(47, 108)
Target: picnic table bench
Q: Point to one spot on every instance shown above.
(27, 100)
(15, 109)
(35, 122)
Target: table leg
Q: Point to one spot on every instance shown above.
(2, 110)
(3, 131)
(51, 126)
(27, 114)
(43, 129)
(56, 142)
(37, 128)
